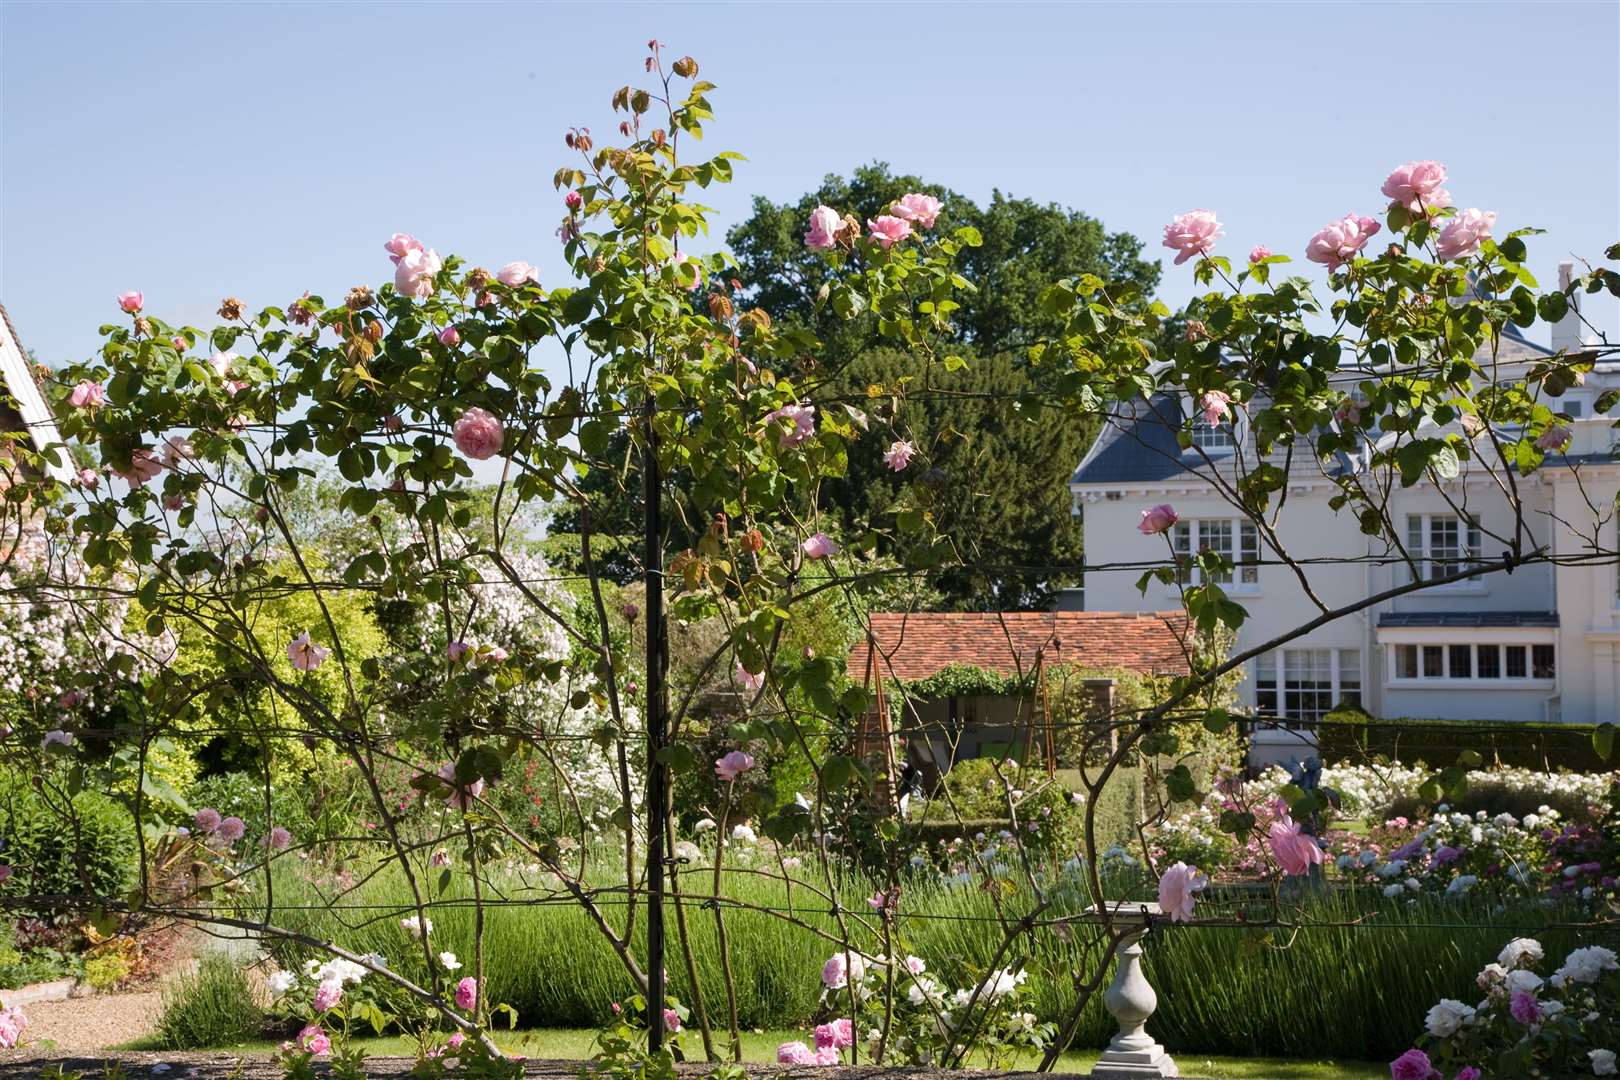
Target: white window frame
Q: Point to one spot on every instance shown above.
(1421, 547)
(1441, 678)
(1242, 538)
(1341, 681)
(1213, 439)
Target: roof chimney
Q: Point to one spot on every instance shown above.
(1569, 333)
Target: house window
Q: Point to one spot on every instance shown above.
(1212, 437)
(1216, 535)
(1441, 544)
(1483, 661)
(1310, 684)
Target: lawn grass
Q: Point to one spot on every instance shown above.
(760, 1046)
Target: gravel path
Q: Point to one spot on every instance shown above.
(98, 1022)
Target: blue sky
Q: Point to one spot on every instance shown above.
(195, 151)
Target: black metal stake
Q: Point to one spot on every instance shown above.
(657, 722)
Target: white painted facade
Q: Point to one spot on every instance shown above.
(1548, 648)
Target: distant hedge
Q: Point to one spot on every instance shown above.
(1346, 737)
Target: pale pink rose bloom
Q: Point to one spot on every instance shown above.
(1259, 253)
(401, 245)
(672, 1021)
(820, 545)
(87, 393)
(823, 232)
(888, 230)
(1157, 519)
(279, 839)
(827, 1056)
(131, 302)
(13, 1022)
(921, 210)
(89, 478)
(173, 502)
(454, 1042)
(460, 797)
(450, 336)
(835, 972)
(314, 1040)
(804, 424)
(746, 679)
(516, 273)
(207, 819)
(304, 654)
(1556, 437)
(493, 654)
(795, 1053)
(70, 699)
(1460, 237)
(143, 466)
(898, 456)
(456, 650)
(1336, 243)
(1349, 412)
(180, 343)
(328, 994)
(1192, 233)
(478, 434)
(1177, 887)
(177, 448)
(221, 362)
(733, 765)
(467, 993)
(1216, 406)
(573, 200)
(413, 276)
(1295, 851)
(440, 857)
(916, 965)
(57, 737)
(231, 829)
(1416, 186)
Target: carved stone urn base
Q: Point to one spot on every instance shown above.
(1131, 1001)
(1127, 1064)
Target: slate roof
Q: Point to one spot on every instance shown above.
(1137, 444)
(1468, 619)
(919, 644)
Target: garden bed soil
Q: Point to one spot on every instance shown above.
(219, 1066)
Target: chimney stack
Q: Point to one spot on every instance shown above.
(1569, 333)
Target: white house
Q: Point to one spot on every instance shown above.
(1539, 644)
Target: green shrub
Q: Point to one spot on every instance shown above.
(84, 847)
(106, 971)
(215, 1006)
(1351, 737)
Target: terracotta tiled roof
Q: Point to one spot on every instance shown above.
(916, 645)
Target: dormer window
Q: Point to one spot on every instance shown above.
(1212, 438)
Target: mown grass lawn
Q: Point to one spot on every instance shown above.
(565, 1043)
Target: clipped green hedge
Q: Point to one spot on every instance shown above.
(87, 849)
(1350, 738)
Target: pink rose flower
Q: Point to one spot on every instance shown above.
(1555, 438)
(1413, 1065)
(1461, 235)
(413, 275)
(795, 1053)
(206, 820)
(516, 273)
(898, 456)
(304, 654)
(439, 858)
(1349, 412)
(1295, 851)
(1216, 406)
(746, 679)
(12, 1024)
(1416, 186)
(573, 200)
(1259, 253)
(180, 343)
(450, 337)
(87, 393)
(1192, 233)
(478, 434)
(733, 765)
(1524, 1007)
(131, 302)
(231, 829)
(177, 448)
(456, 650)
(888, 230)
(1468, 1072)
(454, 1042)
(823, 232)
(89, 478)
(804, 424)
(835, 972)
(837, 1034)
(820, 545)
(460, 797)
(467, 993)
(314, 1040)
(279, 839)
(827, 1056)
(70, 699)
(1177, 887)
(328, 994)
(173, 502)
(143, 466)
(400, 245)
(1157, 519)
(672, 1021)
(1340, 241)
(394, 424)
(920, 210)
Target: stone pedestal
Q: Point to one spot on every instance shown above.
(1131, 1001)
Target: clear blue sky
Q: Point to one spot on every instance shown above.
(198, 150)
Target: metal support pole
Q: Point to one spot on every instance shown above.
(657, 723)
